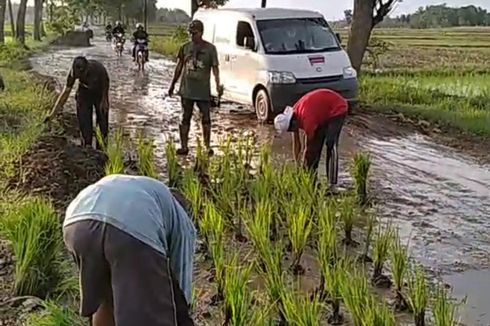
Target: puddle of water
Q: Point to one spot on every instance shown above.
(438, 198)
(475, 286)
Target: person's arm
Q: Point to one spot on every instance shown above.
(63, 97)
(181, 250)
(178, 71)
(297, 146)
(215, 67)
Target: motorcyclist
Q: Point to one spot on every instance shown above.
(139, 34)
(118, 29)
(108, 31)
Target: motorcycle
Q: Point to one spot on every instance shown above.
(119, 44)
(141, 52)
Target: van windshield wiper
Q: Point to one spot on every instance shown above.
(333, 48)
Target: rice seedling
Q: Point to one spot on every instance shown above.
(300, 310)
(258, 226)
(382, 244)
(348, 213)
(418, 295)
(174, 171)
(327, 235)
(355, 291)
(360, 172)
(444, 311)
(201, 165)
(34, 232)
(273, 275)
(146, 158)
(300, 225)
(333, 275)
(378, 314)
(114, 151)
(237, 296)
(194, 193)
(54, 314)
(399, 264)
(370, 222)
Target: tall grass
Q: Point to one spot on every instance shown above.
(361, 165)
(35, 234)
(146, 158)
(418, 295)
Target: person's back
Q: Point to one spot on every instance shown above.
(132, 234)
(140, 35)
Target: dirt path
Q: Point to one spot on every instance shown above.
(438, 196)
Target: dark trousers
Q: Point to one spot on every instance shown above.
(188, 109)
(327, 134)
(86, 102)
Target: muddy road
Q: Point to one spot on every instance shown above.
(438, 196)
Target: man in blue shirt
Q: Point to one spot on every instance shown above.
(134, 243)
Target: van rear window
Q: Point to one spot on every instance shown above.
(297, 35)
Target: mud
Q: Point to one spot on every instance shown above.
(438, 195)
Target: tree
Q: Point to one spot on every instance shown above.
(21, 22)
(196, 4)
(367, 14)
(11, 16)
(3, 5)
(38, 13)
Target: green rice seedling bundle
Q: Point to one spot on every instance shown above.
(174, 171)
(215, 229)
(355, 292)
(300, 225)
(327, 235)
(35, 234)
(378, 314)
(360, 172)
(399, 266)
(201, 166)
(381, 250)
(194, 193)
(265, 162)
(237, 295)
(273, 275)
(146, 158)
(300, 310)
(418, 295)
(115, 153)
(348, 213)
(370, 222)
(444, 310)
(54, 314)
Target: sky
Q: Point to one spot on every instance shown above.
(331, 9)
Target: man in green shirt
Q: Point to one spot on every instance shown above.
(196, 59)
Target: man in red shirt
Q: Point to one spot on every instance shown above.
(320, 114)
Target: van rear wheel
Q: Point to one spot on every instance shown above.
(263, 106)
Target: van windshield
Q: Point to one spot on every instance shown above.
(297, 35)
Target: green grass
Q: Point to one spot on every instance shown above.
(54, 315)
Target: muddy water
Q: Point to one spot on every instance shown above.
(438, 197)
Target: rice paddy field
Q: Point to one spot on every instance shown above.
(275, 246)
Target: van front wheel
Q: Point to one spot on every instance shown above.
(263, 106)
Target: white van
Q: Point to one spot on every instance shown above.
(270, 57)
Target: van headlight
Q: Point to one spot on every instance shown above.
(349, 72)
(281, 77)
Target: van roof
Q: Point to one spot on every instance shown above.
(262, 13)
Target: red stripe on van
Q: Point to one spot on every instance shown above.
(316, 60)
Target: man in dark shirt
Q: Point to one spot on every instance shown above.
(196, 59)
(140, 34)
(118, 28)
(93, 91)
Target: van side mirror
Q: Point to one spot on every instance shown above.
(339, 37)
(249, 43)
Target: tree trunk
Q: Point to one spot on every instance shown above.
(194, 7)
(3, 5)
(38, 11)
(21, 21)
(11, 15)
(360, 32)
